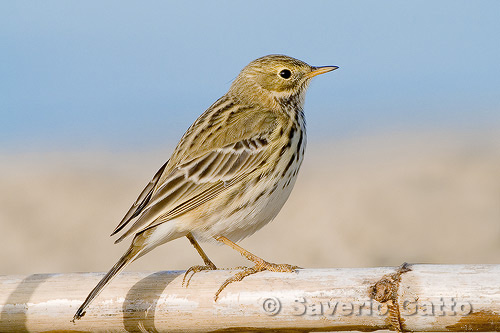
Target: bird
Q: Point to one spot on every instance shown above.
(229, 175)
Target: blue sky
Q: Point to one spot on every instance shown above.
(133, 75)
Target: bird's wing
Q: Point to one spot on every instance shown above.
(187, 184)
(141, 201)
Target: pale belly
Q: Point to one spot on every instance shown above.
(250, 218)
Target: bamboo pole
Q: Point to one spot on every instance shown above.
(408, 298)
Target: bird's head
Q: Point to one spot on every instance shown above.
(275, 79)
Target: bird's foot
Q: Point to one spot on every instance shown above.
(196, 269)
(259, 267)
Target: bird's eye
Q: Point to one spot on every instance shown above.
(285, 74)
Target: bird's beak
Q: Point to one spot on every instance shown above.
(321, 70)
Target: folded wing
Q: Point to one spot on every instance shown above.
(195, 182)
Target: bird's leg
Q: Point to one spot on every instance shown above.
(260, 265)
(209, 265)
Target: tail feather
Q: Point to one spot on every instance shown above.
(127, 258)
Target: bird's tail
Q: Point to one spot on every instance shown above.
(127, 258)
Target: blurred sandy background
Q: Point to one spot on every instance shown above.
(365, 201)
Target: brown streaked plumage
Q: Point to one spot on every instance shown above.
(231, 172)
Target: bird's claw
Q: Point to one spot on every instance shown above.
(259, 267)
(194, 270)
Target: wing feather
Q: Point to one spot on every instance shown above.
(141, 201)
(201, 179)
(208, 160)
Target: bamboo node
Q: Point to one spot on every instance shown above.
(385, 290)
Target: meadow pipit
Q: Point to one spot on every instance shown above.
(231, 172)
